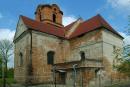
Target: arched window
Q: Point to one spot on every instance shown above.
(50, 57)
(20, 59)
(82, 55)
(54, 17)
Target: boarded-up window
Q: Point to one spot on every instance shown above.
(82, 55)
(54, 18)
(50, 57)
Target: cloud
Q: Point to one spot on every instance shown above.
(1, 15)
(126, 38)
(111, 17)
(7, 34)
(68, 19)
(120, 4)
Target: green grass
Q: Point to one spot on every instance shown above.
(9, 81)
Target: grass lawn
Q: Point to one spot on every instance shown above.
(9, 81)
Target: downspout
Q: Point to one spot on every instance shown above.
(74, 68)
(54, 75)
(82, 78)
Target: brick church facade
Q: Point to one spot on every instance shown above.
(79, 54)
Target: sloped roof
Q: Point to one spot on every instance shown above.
(43, 27)
(92, 24)
(84, 27)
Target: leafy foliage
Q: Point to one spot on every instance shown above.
(10, 73)
(124, 67)
(127, 52)
(0, 66)
(117, 56)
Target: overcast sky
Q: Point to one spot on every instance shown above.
(115, 12)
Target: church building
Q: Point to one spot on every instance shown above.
(77, 55)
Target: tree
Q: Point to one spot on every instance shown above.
(10, 73)
(127, 47)
(127, 52)
(0, 66)
(6, 50)
(124, 66)
(117, 53)
(128, 29)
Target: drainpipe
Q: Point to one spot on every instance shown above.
(74, 68)
(99, 74)
(82, 79)
(54, 75)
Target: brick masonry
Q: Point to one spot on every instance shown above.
(97, 45)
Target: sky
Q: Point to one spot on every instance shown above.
(115, 12)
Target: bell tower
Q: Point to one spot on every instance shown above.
(50, 14)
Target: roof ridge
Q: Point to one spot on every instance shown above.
(92, 17)
(99, 19)
(73, 27)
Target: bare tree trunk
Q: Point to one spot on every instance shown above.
(6, 68)
(3, 75)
